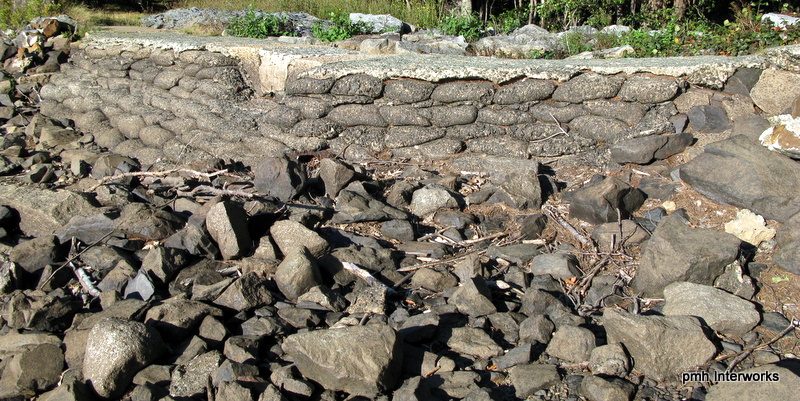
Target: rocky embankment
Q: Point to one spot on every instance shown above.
(479, 277)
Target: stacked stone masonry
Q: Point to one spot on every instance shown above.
(156, 104)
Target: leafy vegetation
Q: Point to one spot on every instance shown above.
(340, 28)
(470, 26)
(253, 25)
(14, 14)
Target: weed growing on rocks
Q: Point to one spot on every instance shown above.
(257, 26)
(469, 26)
(340, 28)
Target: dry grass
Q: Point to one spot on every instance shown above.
(103, 17)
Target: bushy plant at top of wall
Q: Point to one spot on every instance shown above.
(253, 25)
(15, 14)
(469, 26)
(340, 28)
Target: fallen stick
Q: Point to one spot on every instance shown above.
(363, 274)
(85, 280)
(553, 214)
(72, 258)
(215, 191)
(112, 178)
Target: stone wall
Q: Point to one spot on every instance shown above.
(181, 105)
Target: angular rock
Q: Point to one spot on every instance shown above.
(661, 347)
(709, 119)
(433, 280)
(776, 381)
(647, 89)
(401, 230)
(227, 224)
(473, 298)
(297, 274)
(137, 219)
(432, 198)
(32, 371)
(280, 178)
(35, 310)
(609, 360)
(248, 292)
(677, 252)
(559, 265)
(724, 312)
(291, 236)
(164, 263)
(530, 378)
(140, 286)
(775, 91)
(587, 87)
(472, 341)
(536, 329)
(571, 343)
(787, 256)
(597, 388)
(176, 319)
(35, 254)
(649, 148)
(608, 235)
(361, 360)
(741, 173)
(599, 202)
(43, 211)
(352, 207)
(116, 350)
(192, 379)
(336, 175)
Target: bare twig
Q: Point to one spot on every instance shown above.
(784, 332)
(553, 214)
(73, 258)
(363, 274)
(438, 262)
(112, 178)
(215, 191)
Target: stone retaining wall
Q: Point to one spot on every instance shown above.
(156, 103)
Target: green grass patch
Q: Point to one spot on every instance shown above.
(252, 25)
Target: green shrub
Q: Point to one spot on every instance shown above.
(510, 20)
(576, 42)
(252, 25)
(469, 26)
(17, 15)
(340, 28)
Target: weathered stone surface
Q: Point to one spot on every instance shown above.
(587, 87)
(778, 380)
(349, 115)
(739, 172)
(175, 319)
(291, 236)
(609, 360)
(473, 298)
(601, 129)
(600, 202)
(35, 254)
(297, 274)
(646, 149)
(677, 252)
(472, 341)
(32, 371)
(724, 312)
(662, 347)
(530, 378)
(35, 310)
(408, 91)
(248, 292)
(116, 350)
(192, 379)
(44, 211)
(227, 224)
(787, 255)
(526, 90)
(708, 119)
(571, 343)
(280, 178)
(352, 206)
(646, 89)
(463, 91)
(597, 388)
(358, 84)
(432, 198)
(775, 91)
(629, 112)
(360, 360)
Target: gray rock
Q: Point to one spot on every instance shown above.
(536, 329)
(176, 319)
(401, 230)
(473, 298)
(335, 174)
(279, 177)
(649, 148)
(610, 235)
(248, 292)
(408, 90)
(43, 211)
(322, 296)
(35, 254)
(787, 256)
(88, 229)
(297, 274)
(137, 219)
(361, 360)
(647, 89)
(526, 90)
(192, 379)
(352, 207)
(350, 115)
(519, 254)
(559, 265)
(599, 202)
(609, 360)
(420, 327)
(433, 280)
(227, 224)
(739, 172)
(432, 198)
(242, 349)
(661, 346)
(775, 91)
(530, 378)
(709, 119)
(116, 350)
(587, 87)
(778, 381)
(231, 391)
(461, 91)
(629, 112)
(358, 84)
(571, 343)
(139, 286)
(35, 310)
(164, 263)
(601, 129)
(472, 341)
(677, 252)
(405, 136)
(291, 236)
(597, 388)
(447, 116)
(725, 313)
(32, 371)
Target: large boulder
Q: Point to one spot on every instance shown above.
(361, 360)
(724, 312)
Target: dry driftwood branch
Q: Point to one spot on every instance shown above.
(85, 280)
(363, 274)
(195, 173)
(554, 215)
(74, 257)
(784, 332)
(207, 189)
